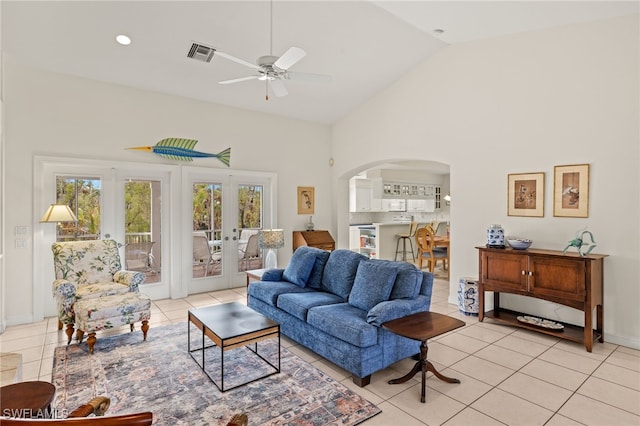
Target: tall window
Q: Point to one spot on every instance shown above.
(143, 247)
(250, 206)
(82, 195)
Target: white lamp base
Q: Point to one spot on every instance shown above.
(270, 260)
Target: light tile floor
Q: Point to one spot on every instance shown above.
(509, 376)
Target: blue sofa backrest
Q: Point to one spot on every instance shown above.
(340, 272)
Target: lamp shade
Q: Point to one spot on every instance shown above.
(271, 239)
(58, 213)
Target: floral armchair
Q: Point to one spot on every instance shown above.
(86, 270)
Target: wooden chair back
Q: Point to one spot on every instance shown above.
(425, 240)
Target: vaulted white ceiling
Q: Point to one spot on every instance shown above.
(365, 46)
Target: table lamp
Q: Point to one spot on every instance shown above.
(272, 240)
(58, 213)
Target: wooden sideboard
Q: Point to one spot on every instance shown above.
(567, 279)
(319, 239)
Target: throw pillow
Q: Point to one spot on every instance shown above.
(299, 268)
(407, 285)
(372, 285)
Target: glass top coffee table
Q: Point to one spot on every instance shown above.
(231, 326)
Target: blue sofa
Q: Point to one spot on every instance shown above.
(335, 302)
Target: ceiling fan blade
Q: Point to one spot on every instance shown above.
(289, 58)
(278, 88)
(237, 60)
(307, 76)
(238, 80)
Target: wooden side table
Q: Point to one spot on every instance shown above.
(423, 326)
(255, 274)
(27, 399)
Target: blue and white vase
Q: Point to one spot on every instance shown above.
(468, 296)
(495, 236)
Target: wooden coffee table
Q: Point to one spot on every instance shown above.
(230, 326)
(423, 326)
(27, 399)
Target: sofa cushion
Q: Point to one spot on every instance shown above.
(408, 281)
(344, 322)
(373, 283)
(269, 292)
(298, 304)
(299, 267)
(315, 278)
(340, 272)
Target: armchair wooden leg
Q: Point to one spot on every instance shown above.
(91, 340)
(131, 326)
(59, 324)
(145, 328)
(69, 332)
(79, 335)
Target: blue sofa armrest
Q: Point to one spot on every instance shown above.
(393, 309)
(272, 275)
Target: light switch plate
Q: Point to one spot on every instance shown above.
(21, 231)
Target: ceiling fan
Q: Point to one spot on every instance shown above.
(273, 69)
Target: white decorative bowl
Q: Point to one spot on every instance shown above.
(519, 243)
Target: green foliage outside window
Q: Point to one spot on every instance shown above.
(82, 195)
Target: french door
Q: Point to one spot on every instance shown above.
(128, 203)
(226, 211)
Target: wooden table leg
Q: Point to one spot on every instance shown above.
(423, 365)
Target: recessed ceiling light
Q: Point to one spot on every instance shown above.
(123, 39)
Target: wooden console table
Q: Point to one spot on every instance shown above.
(564, 278)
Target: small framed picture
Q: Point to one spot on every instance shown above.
(306, 200)
(571, 190)
(526, 194)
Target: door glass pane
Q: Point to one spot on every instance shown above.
(143, 242)
(82, 195)
(207, 229)
(249, 223)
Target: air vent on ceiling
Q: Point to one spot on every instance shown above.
(200, 52)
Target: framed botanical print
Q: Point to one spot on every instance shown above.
(571, 190)
(525, 194)
(306, 200)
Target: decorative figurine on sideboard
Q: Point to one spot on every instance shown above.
(578, 242)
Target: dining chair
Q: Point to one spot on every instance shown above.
(427, 250)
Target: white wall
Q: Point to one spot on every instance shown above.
(520, 104)
(53, 114)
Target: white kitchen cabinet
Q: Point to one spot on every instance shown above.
(421, 205)
(359, 195)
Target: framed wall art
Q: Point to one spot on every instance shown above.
(306, 200)
(571, 190)
(526, 194)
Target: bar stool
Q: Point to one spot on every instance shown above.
(404, 237)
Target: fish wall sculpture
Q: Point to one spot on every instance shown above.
(182, 149)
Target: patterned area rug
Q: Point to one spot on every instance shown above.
(160, 376)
